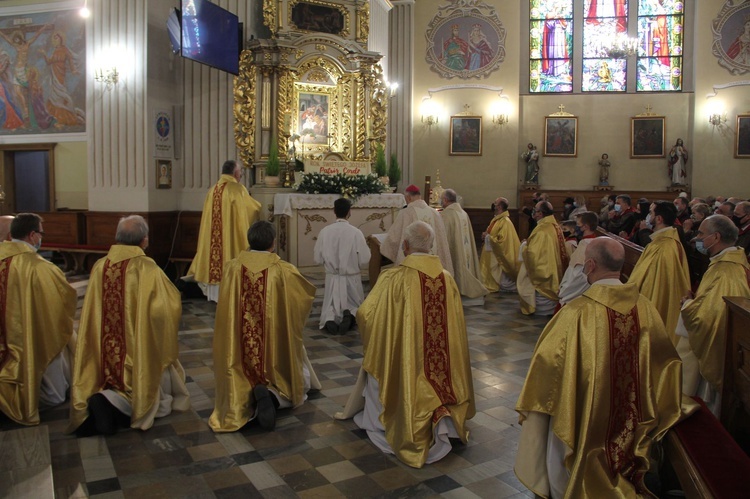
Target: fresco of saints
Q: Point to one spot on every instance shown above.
(480, 52)
(455, 51)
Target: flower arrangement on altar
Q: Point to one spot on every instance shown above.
(349, 186)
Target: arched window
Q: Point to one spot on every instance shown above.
(557, 51)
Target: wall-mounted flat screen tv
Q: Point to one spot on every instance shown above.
(210, 35)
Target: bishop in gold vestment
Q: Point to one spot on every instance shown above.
(415, 389)
(603, 385)
(228, 213)
(462, 248)
(127, 339)
(37, 306)
(499, 261)
(545, 260)
(705, 316)
(662, 273)
(263, 306)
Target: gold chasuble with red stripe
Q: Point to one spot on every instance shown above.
(415, 342)
(127, 337)
(37, 306)
(263, 306)
(228, 212)
(606, 373)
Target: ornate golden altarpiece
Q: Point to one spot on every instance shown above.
(316, 55)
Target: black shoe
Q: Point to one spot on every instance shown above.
(346, 322)
(103, 414)
(332, 328)
(266, 414)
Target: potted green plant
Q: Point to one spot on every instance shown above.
(394, 171)
(273, 165)
(381, 169)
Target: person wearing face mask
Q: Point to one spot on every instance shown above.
(37, 306)
(499, 260)
(699, 213)
(742, 217)
(579, 206)
(574, 281)
(607, 205)
(662, 273)
(702, 329)
(575, 407)
(622, 216)
(568, 207)
(544, 259)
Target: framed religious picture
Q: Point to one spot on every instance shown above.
(561, 136)
(742, 142)
(163, 174)
(647, 137)
(466, 136)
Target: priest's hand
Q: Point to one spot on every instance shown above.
(688, 296)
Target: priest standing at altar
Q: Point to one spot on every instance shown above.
(228, 213)
(342, 249)
(462, 247)
(416, 210)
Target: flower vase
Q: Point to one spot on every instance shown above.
(272, 181)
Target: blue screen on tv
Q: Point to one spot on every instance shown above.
(210, 35)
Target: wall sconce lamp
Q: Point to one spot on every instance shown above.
(109, 76)
(716, 114)
(429, 112)
(85, 12)
(392, 88)
(500, 110)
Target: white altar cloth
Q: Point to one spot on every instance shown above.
(285, 203)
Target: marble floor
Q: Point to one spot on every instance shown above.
(309, 454)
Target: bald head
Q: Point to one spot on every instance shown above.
(604, 259)
(5, 221)
(501, 205)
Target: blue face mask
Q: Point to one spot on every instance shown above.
(700, 248)
(618, 208)
(579, 232)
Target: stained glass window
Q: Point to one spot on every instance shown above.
(551, 46)
(552, 50)
(660, 25)
(603, 20)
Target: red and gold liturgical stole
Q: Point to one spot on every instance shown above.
(625, 398)
(252, 325)
(437, 359)
(564, 258)
(113, 324)
(216, 254)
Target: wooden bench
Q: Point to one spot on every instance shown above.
(75, 255)
(708, 462)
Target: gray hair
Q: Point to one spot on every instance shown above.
(420, 236)
(744, 206)
(450, 195)
(728, 232)
(131, 230)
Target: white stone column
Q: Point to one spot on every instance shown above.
(400, 64)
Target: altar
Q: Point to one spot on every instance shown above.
(300, 217)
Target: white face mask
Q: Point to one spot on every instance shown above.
(648, 221)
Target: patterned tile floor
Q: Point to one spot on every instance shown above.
(309, 454)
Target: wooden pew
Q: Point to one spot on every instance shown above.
(76, 256)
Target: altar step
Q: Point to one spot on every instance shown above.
(25, 463)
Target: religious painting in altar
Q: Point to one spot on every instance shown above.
(163, 174)
(319, 17)
(731, 32)
(42, 70)
(551, 46)
(647, 137)
(660, 36)
(561, 136)
(465, 42)
(602, 21)
(312, 114)
(742, 142)
(466, 136)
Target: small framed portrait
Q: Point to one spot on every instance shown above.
(647, 137)
(163, 174)
(742, 142)
(561, 136)
(466, 136)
